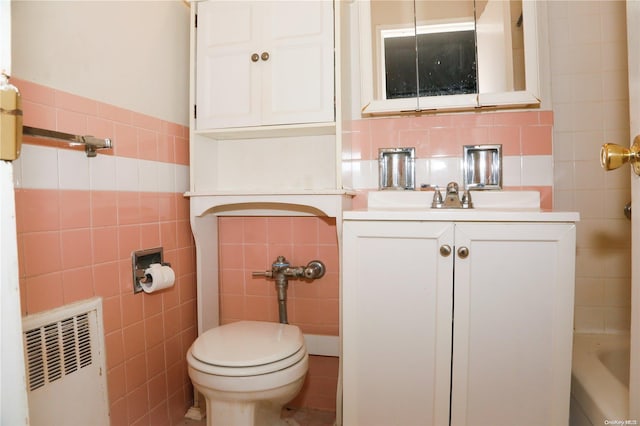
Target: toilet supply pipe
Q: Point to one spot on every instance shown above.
(281, 271)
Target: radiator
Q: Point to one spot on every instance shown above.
(65, 365)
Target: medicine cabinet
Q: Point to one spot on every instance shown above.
(419, 55)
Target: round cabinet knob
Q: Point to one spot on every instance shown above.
(265, 56)
(613, 156)
(255, 57)
(463, 252)
(445, 250)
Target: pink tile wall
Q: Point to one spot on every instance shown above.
(320, 387)
(520, 133)
(76, 244)
(250, 244)
(137, 135)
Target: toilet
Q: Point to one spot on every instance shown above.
(247, 371)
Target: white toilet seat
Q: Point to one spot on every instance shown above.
(247, 348)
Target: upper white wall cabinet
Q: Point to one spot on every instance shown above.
(264, 64)
(266, 95)
(448, 55)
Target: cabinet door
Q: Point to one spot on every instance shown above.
(227, 80)
(291, 80)
(397, 301)
(298, 81)
(513, 324)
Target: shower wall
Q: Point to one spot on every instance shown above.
(590, 104)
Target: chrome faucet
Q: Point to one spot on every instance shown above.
(452, 199)
(281, 271)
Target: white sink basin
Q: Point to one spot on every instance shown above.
(398, 199)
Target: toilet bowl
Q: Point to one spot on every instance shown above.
(247, 371)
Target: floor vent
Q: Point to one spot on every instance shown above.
(66, 375)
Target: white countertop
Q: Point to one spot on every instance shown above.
(489, 206)
(463, 215)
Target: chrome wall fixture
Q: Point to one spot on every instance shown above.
(482, 166)
(91, 144)
(396, 168)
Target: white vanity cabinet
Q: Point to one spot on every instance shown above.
(264, 63)
(396, 323)
(457, 322)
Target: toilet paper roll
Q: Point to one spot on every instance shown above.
(162, 277)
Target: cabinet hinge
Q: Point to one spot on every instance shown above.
(195, 21)
(195, 112)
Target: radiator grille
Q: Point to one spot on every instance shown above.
(57, 349)
(65, 365)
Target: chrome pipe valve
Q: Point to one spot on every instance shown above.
(314, 269)
(281, 271)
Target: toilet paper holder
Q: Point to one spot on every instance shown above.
(141, 260)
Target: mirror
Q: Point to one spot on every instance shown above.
(421, 55)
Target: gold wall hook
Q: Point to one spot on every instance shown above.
(613, 156)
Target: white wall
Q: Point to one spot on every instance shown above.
(590, 104)
(132, 54)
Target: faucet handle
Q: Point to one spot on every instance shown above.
(452, 188)
(280, 263)
(466, 200)
(268, 274)
(437, 198)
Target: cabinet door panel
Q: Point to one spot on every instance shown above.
(297, 86)
(397, 300)
(228, 82)
(235, 83)
(228, 23)
(512, 324)
(299, 79)
(311, 18)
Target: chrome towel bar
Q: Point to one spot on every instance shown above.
(91, 144)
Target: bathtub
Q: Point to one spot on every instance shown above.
(599, 379)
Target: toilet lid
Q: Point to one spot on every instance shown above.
(247, 343)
